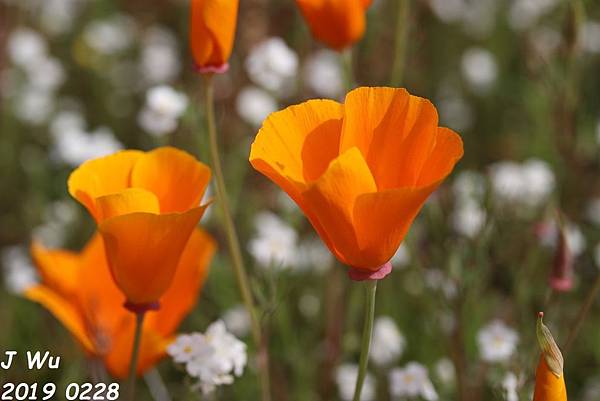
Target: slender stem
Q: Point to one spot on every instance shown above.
(401, 40)
(233, 242)
(371, 289)
(348, 71)
(583, 312)
(158, 390)
(137, 339)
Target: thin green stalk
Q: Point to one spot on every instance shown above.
(401, 41)
(347, 70)
(371, 289)
(137, 339)
(233, 242)
(581, 316)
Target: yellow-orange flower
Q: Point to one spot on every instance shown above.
(77, 288)
(361, 170)
(146, 206)
(212, 30)
(549, 377)
(337, 23)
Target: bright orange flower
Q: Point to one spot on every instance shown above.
(77, 288)
(337, 23)
(212, 30)
(146, 206)
(360, 171)
(549, 377)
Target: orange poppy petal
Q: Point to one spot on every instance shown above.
(548, 387)
(64, 311)
(212, 31)
(103, 176)
(130, 200)
(391, 128)
(298, 142)
(331, 198)
(448, 150)
(337, 23)
(181, 296)
(143, 250)
(59, 269)
(174, 176)
(382, 220)
(152, 348)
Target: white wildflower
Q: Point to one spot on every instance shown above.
(253, 105)
(111, 35)
(164, 105)
(468, 218)
(479, 68)
(275, 244)
(273, 65)
(412, 381)
(445, 371)
(187, 347)
(387, 343)
(323, 73)
(346, 376)
(19, 273)
(510, 385)
(26, 47)
(159, 61)
(497, 342)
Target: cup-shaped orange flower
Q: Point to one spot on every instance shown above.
(212, 30)
(146, 206)
(549, 377)
(360, 171)
(337, 23)
(77, 288)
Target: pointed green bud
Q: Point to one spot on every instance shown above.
(550, 350)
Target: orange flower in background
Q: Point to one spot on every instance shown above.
(360, 171)
(337, 23)
(146, 206)
(212, 30)
(549, 377)
(77, 288)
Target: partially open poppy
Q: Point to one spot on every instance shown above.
(549, 377)
(360, 171)
(77, 288)
(146, 206)
(337, 23)
(212, 30)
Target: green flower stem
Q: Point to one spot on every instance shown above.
(135, 351)
(402, 27)
(233, 242)
(371, 289)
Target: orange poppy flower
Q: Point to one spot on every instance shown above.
(77, 288)
(146, 206)
(337, 23)
(212, 30)
(549, 377)
(360, 171)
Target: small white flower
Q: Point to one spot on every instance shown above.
(111, 35)
(510, 385)
(445, 371)
(47, 74)
(19, 274)
(34, 106)
(539, 180)
(479, 68)
(346, 376)
(468, 185)
(57, 16)
(237, 320)
(214, 358)
(26, 47)
(273, 65)
(387, 343)
(253, 105)
(436, 279)
(323, 73)
(468, 218)
(159, 61)
(58, 215)
(164, 106)
(456, 112)
(187, 347)
(75, 145)
(275, 244)
(412, 381)
(497, 342)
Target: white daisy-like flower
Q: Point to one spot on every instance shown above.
(164, 106)
(468, 218)
(253, 105)
(412, 381)
(34, 106)
(479, 68)
(187, 347)
(387, 343)
(510, 385)
(346, 376)
(26, 47)
(445, 371)
(275, 244)
(497, 342)
(323, 73)
(159, 59)
(273, 65)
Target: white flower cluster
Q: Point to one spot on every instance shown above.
(497, 342)
(214, 358)
(528, 184)
(412, 381)
(164, 105)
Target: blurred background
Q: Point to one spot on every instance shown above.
(518, 79)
